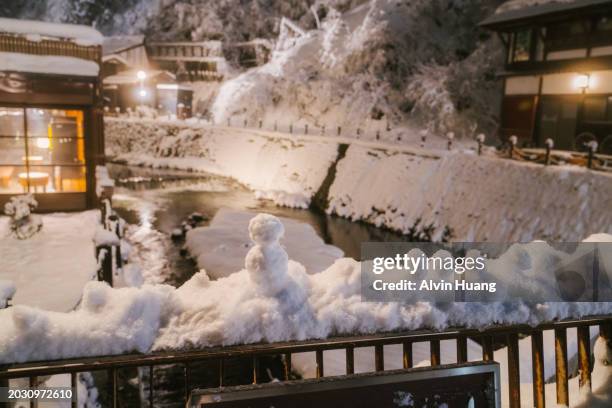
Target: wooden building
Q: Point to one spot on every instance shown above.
(189, 61)
(147, 88)
(558, 72)
(51, 130)
(120, 53)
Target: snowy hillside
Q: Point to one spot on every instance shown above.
(420, 62)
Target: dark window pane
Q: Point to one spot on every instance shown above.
(595, 108)
(604, 24)
(522, 45)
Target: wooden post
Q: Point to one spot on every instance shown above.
(291, 128)
(434, 351)
(339, 130)
(187, 380)
(75, 390)
(287, 366)
(112, 374)
(462, 351)
(407, 354)
(561, 366)
(255, 369)
(221, 372)
(33, 385)
(584, 356)
(105, 273)
(537, 366)
(379, 357)
(378, 135)
(151, 386)
(350, 360)
(514, 383)
(319, 358)
(306, 129)
(487, 348)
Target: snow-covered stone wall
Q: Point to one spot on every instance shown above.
(286, 171)
(478, 198)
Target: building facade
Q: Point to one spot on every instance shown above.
(51, 130)
(558, 73)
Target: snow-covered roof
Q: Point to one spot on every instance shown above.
(130, 77)
(118, 43)
(47, 64)
(80, 34)
(516, 10)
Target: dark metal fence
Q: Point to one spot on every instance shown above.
(490, 338)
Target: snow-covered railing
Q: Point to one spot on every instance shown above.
(22, 44)
(108, 243)
(490, 339)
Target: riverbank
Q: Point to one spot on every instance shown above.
(403, 188)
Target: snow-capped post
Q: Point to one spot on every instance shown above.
(592, 146)
(423, 138)
(106, 110)
(260, 123)
(118, 110)
(388, 127)
(549, 143)
(306, 129)
(23, 223)
(129, 112)
(450, 136)
(480, 138)
(377, 134)
(339, 130)
(512, 140)
(358, 132)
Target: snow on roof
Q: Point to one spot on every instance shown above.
(521, 9)
(47, 64)
(118, 43)
(131, 77)
(81, 34)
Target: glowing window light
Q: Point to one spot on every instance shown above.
(582, 81)
(42, 143)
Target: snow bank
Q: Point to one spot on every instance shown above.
(479, 198)
(47, 64)
(80, 34)
(286, 171)
(220, 247)
(38, 266)
(272, 299)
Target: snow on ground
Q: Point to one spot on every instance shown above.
(51, 268)
(286, 171)
(7, 291)
(481, 198)
(220, 248)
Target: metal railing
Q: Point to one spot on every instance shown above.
(488, 338)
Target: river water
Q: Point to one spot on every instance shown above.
(165, 198)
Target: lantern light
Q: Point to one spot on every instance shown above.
(142, 93)
(141, 75)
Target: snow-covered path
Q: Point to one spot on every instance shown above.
(50, 269)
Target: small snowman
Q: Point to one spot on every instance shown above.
(267, 261)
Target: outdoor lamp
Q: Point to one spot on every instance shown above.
(142, 93)
(141, 75)
(582, 81)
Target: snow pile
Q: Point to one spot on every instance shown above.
(38, 266)
(286, 171)
(103, 180)
(24, 224)
(7, 291)
(521, 4)
(272, 299)
(600, 394)
(47, 64)
(479, 198)
(220, 247)
(80, 34)
(109, 321)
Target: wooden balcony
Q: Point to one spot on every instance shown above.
(64, 48)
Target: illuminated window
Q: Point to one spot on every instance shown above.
(43, 153)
